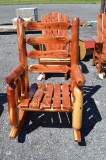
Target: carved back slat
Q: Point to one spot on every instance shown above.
(55, 17)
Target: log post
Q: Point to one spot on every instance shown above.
(75, 41)
(12, 108)
(22, 49)
(77, 109)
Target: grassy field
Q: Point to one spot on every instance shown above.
(2, 2)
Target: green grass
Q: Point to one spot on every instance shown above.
(4, 2)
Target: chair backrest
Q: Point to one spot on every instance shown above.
(101, 30)
(55, 17)
(73, 43)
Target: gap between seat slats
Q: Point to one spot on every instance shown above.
(51, 97)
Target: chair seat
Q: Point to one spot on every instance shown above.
(49, 97)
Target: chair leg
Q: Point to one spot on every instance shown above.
(15, 130)
(93, 59)
(77, 136)
(77, 109)
(99, 67)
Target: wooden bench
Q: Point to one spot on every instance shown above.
(46, 97)
(99, 55)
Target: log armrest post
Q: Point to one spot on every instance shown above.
(77, 75)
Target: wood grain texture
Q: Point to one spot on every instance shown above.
(49, 68)
(49, 25)
(48, 54)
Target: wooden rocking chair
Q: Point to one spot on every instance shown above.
(46, 97)
(99, 55)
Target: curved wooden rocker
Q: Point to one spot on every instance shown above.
(99, 55)
(46, 97)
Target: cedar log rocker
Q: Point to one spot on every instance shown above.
(45, 97)
(99, 55)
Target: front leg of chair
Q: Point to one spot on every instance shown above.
(16, 116)
(16, 129)
(77, 113)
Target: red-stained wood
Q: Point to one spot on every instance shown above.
(26, 101)
(100, 45)
(57, 96)
(54, 18)
(104, 32)
(63, 18)
(13, 75)
(22, 49)
(66, 104)
(12, 109)
(50, 40)
(75, 41)
(48, 54)
(50, 25)
(35, 103)
(22, 79)
(49, 68)
(46, 103)
(99, 27)
(55, 44)
(16, 130)
(18, 86)
(77, 75)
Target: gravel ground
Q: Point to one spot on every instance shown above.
(49, 136)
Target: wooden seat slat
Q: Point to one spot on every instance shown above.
(35, 103)
(65, 96)
(46, 102)
(57, 96)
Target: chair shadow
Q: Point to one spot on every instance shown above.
(83, 66)
(3, 99)
(91, 116)
(51, 75)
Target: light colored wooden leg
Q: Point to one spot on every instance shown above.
(77, 136)
(15, 130)
(77, 109)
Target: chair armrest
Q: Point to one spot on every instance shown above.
(13, 75)
(77, 75)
